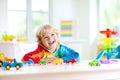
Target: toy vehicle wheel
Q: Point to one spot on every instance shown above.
(7, 67)
(17, 66)
(98, 64)
(1, 63)
(94, 63)
(90, 64)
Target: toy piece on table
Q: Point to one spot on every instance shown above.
(108, 49)
(42, 62)
(58, 61)
(72, 61)
(55, 61)
(7, 65)
(46, 61)
(96, 61)
(1, 63)
(35, 60)
(4, 58)
(51, 60)
(29, 62)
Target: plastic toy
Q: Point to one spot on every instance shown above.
(7, 65)
(107, 50)
(7, 37)
(108, 45)
(118, 55)
(96, 62)
(58, 61)
(108, 32)
(4, 58)
(23, 39)
(108, 40)
(72, 61)
(1, 63)
(42, 62)
(29, 62)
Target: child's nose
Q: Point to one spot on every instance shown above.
(50, 39)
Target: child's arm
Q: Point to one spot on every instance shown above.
(68, 54)
(31, 55)
(35, 55)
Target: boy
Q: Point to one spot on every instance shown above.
(49, 47)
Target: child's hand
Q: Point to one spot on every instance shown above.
(50, 60)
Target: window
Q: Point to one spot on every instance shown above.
(25, 16)
(109, 13)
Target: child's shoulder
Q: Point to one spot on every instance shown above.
(63, 46)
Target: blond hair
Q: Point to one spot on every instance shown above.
(41, 31)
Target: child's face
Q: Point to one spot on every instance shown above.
(50, 40)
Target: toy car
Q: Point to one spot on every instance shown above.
(7, 65)
(58, 61)
(71, 61)
(42, 62)
(4, 58)
(29, 62)
(1, 63)
(94, 63)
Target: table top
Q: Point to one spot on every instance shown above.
(64, 68)
(77, 71)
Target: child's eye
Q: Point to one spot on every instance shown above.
(45, 37)
(52, 34)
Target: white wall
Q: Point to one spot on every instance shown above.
(94, 32)
(83, 13)
(3, 16)
(61, 10)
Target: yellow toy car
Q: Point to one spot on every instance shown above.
(58, 61)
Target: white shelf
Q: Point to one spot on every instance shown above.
(16, 49)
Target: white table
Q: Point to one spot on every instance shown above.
(79, 71)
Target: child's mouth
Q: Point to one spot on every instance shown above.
(52, 43)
